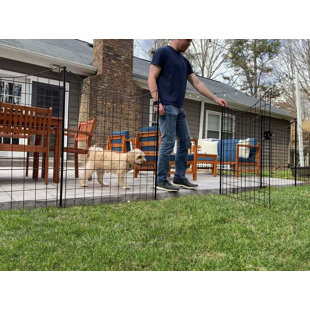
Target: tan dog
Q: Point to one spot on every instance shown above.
(102, 161)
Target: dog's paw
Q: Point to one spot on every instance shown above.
(125, 187)
(104, 184)
(83, 184)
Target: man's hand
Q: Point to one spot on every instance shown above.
(161, 109)
(221, 102)
(202, 89)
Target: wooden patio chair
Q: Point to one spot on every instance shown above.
(118, 141)
(84, 133)
(233, 149)
(17, 121)
(207, 154)
(146, 140)
(191, 160)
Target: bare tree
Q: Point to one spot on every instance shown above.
(294, 57)
(206, 56)
(302, 63)
(146, 48)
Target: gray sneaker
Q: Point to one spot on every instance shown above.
(185, 184)
(166, 186)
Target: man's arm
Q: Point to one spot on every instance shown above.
(152, 81)
(153, 75)
(202, 89)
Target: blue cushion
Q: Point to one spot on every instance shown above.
(204, 159)
(122, 132)
(149, 148)
(229, 149)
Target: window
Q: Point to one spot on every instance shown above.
(46, 96)
(228, 127)
(10, 92)
(213, 126)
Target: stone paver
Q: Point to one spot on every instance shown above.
(18, 191)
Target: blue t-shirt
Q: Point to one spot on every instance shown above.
(172, 79)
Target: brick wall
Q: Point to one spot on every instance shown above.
(111, 96)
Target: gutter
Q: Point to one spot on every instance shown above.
(197, 97)
(44, 60)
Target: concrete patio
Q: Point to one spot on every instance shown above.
(18, 191)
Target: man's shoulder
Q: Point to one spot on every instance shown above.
(160, 56)
(163, 49)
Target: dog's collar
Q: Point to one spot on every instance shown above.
(129, 165)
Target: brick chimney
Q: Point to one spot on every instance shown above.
(111, 95)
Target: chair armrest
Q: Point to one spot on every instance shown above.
(194, 148)
(69, 135)
(68, 131)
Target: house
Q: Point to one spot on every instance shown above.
(114, 89)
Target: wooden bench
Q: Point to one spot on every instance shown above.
(22, 122)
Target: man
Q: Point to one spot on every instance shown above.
(168, 75)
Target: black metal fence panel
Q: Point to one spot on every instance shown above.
(102, 146)
(245, 152)
(25, 183)
(90, 134)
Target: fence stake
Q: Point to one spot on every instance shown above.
(156, 146)
(222, 150)
(261, 145)
(62, 135)
(295, 160)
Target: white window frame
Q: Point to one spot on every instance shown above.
(16, 81)
(233, 117)
(207, 119)
(27, 100)
(220, 124)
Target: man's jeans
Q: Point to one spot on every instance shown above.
(173, 124)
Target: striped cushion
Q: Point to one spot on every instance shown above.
(123, 133)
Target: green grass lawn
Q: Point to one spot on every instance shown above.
(189, 233)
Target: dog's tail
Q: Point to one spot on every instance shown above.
(94, 149)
